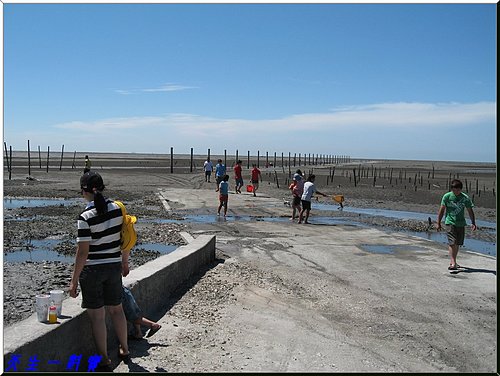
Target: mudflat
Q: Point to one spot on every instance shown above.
(283, 296)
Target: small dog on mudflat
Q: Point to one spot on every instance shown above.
(286, 202)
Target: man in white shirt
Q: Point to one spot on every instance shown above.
(309, 190)
(208, 167)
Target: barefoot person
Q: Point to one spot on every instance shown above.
(238, 177)
(454, 204)
(220, 171)
(208, 167)
(297, 188)
(256, 177)
(309, 190)
(134, 315)
(98, 266)
(223, 194)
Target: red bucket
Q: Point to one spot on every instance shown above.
(249, 188)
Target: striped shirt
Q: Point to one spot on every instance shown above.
(103, 233)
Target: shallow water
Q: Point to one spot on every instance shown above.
(40, 250)
(398, 214)
(15, 203)
(43, 250)
(479, 246)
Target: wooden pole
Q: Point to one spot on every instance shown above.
(208, 153)
(48, 157)
(258, 158)
(354, 170)
(10, 159)
(29, 159)
(274, 164)
(6, 156)
(276, 176)
(40, 156)
(248, 160)
(172, 160)
(191, 165)
(62, 155)
(289, 162)
(74, 157)
(225, 157)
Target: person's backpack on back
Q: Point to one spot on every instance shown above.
(128, 233)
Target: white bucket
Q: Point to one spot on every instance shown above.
(57, 297)
(42, 307)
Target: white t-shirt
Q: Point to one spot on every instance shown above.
(208, 166)
(309, 189)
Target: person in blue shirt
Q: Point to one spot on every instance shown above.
(223, 194)
(220, 171)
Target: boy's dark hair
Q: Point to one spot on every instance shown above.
(298, 172)
(455, 183)
(311, 178)
(226, 177)
(238, 161)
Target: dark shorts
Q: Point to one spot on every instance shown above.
(239, 181)
(255, 182)
(218, 179)
(208, 173)
(296, 201)
(306, 205)
(101, 285)
(130, 307)
(456, 235)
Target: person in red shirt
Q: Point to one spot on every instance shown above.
(237, 176)
(256, 177)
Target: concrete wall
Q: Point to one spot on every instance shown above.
(150, 283)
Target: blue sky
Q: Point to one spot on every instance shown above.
(396, 81)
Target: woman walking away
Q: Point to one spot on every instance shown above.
(98, 266)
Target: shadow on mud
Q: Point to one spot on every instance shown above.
(472, 270)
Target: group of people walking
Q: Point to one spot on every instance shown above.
(222, 179)
(453, 203)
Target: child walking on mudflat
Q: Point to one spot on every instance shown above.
(223, 194)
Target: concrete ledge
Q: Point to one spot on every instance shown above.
(150, 283)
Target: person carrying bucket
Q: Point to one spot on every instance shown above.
(309, 190)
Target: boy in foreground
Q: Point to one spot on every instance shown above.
(454, 203)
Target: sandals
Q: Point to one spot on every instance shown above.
(124, 357)
(454, 267)
(153, 330)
